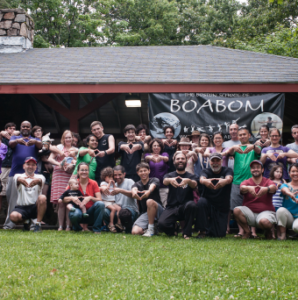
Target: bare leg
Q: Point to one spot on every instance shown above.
(41, 204)
(254, 231)
(267, 226)
(69, 206)
(242, 223)
(151, 210)
(45, 189)
(16, 217)
(136, 230)
(112, 214)
(83, 209)
(61, 214)
(281, 232)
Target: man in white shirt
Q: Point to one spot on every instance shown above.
(30, 202)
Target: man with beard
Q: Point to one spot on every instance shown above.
(30, 203)
(257, 209)
(180, 204)
(22, 146)
(214, 204)
(122, 191)
(106, 149)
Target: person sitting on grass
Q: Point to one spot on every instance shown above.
(146, 191)
(180, 204)
(71, 206)
(214, 205)
(30, 202)
(109, 199)
(257, 209)
(287, 215)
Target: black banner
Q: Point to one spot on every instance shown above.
(209, 113)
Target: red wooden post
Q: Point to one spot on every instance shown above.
(74, 112)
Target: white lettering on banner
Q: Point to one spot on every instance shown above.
(206, 104)
(220, 106)
(175, 103)
(189, 110)
(235, 110)
(249, 105)
(220, 103)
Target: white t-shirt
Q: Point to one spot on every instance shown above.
(28, 195)
(293, 147)
(109, 198)
(229, 144)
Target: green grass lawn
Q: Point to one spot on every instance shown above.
(54, 265)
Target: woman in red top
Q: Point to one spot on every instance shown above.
(92, 200)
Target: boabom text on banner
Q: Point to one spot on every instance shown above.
(209, 113)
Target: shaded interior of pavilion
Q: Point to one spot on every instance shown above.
(58, 112)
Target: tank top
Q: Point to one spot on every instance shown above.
(107, 160)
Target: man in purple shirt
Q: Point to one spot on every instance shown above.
(22, 146)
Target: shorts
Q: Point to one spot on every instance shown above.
(27, 212)
(4, 179)
(236, 199)
(143, 221)
(253, 219)
(108, 203)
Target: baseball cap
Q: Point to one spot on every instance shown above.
(256, 162)
(215, 155)
(30, 158)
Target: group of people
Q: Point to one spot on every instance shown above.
(164, 185)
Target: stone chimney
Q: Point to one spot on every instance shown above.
(16, 31)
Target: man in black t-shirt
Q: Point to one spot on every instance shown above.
(106, 147)
(131, 152)
(180, 204)
(214, 204)
(146, 191)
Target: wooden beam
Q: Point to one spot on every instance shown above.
(86, 100)
(117, 113)
(150, 88)
(57, 125)
(95, 104)
(60, 98)
(51, 103)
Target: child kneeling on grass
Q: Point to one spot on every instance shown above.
(106, 176)
(74, 191)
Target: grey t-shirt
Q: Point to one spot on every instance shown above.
(229, 144)
(124, 201)
(293, 147)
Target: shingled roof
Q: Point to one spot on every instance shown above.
(153, 64)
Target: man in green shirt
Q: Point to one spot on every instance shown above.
(244, 154)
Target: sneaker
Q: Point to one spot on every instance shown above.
(120, 227)
(37, 228)
(148, 233)
(27, 226)
(85, 215)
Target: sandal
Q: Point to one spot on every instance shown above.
(120, 227)
(112, 228)
(238, 235)
(186, 237)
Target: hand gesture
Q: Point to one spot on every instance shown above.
(134, 148)
(237, 149)
(267, 143)
(146, 194)
(258, 143)
(115, 191)
(292, 196)
(35, 182)
(105, 190)
(185, 152)
(200, 150)
(21, 141)
(126, 148)
(174, 181)
(209, 184)
(76, 200)
(31, 142)
(220, 183)
(23, 182)
(185, 181)
(136, 194)
(280, 156)
(271, 156)
(248, 149)
(263, 190)
(252, 190)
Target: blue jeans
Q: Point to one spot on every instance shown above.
(134, 216)
(95, 212)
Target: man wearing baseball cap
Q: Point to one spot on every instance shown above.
(214, 204)
(257, 209)
(30, 203)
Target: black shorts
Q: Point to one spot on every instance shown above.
(27, 212)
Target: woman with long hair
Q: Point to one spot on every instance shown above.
(61, 176)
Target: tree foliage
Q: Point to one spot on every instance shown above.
(257, 26)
